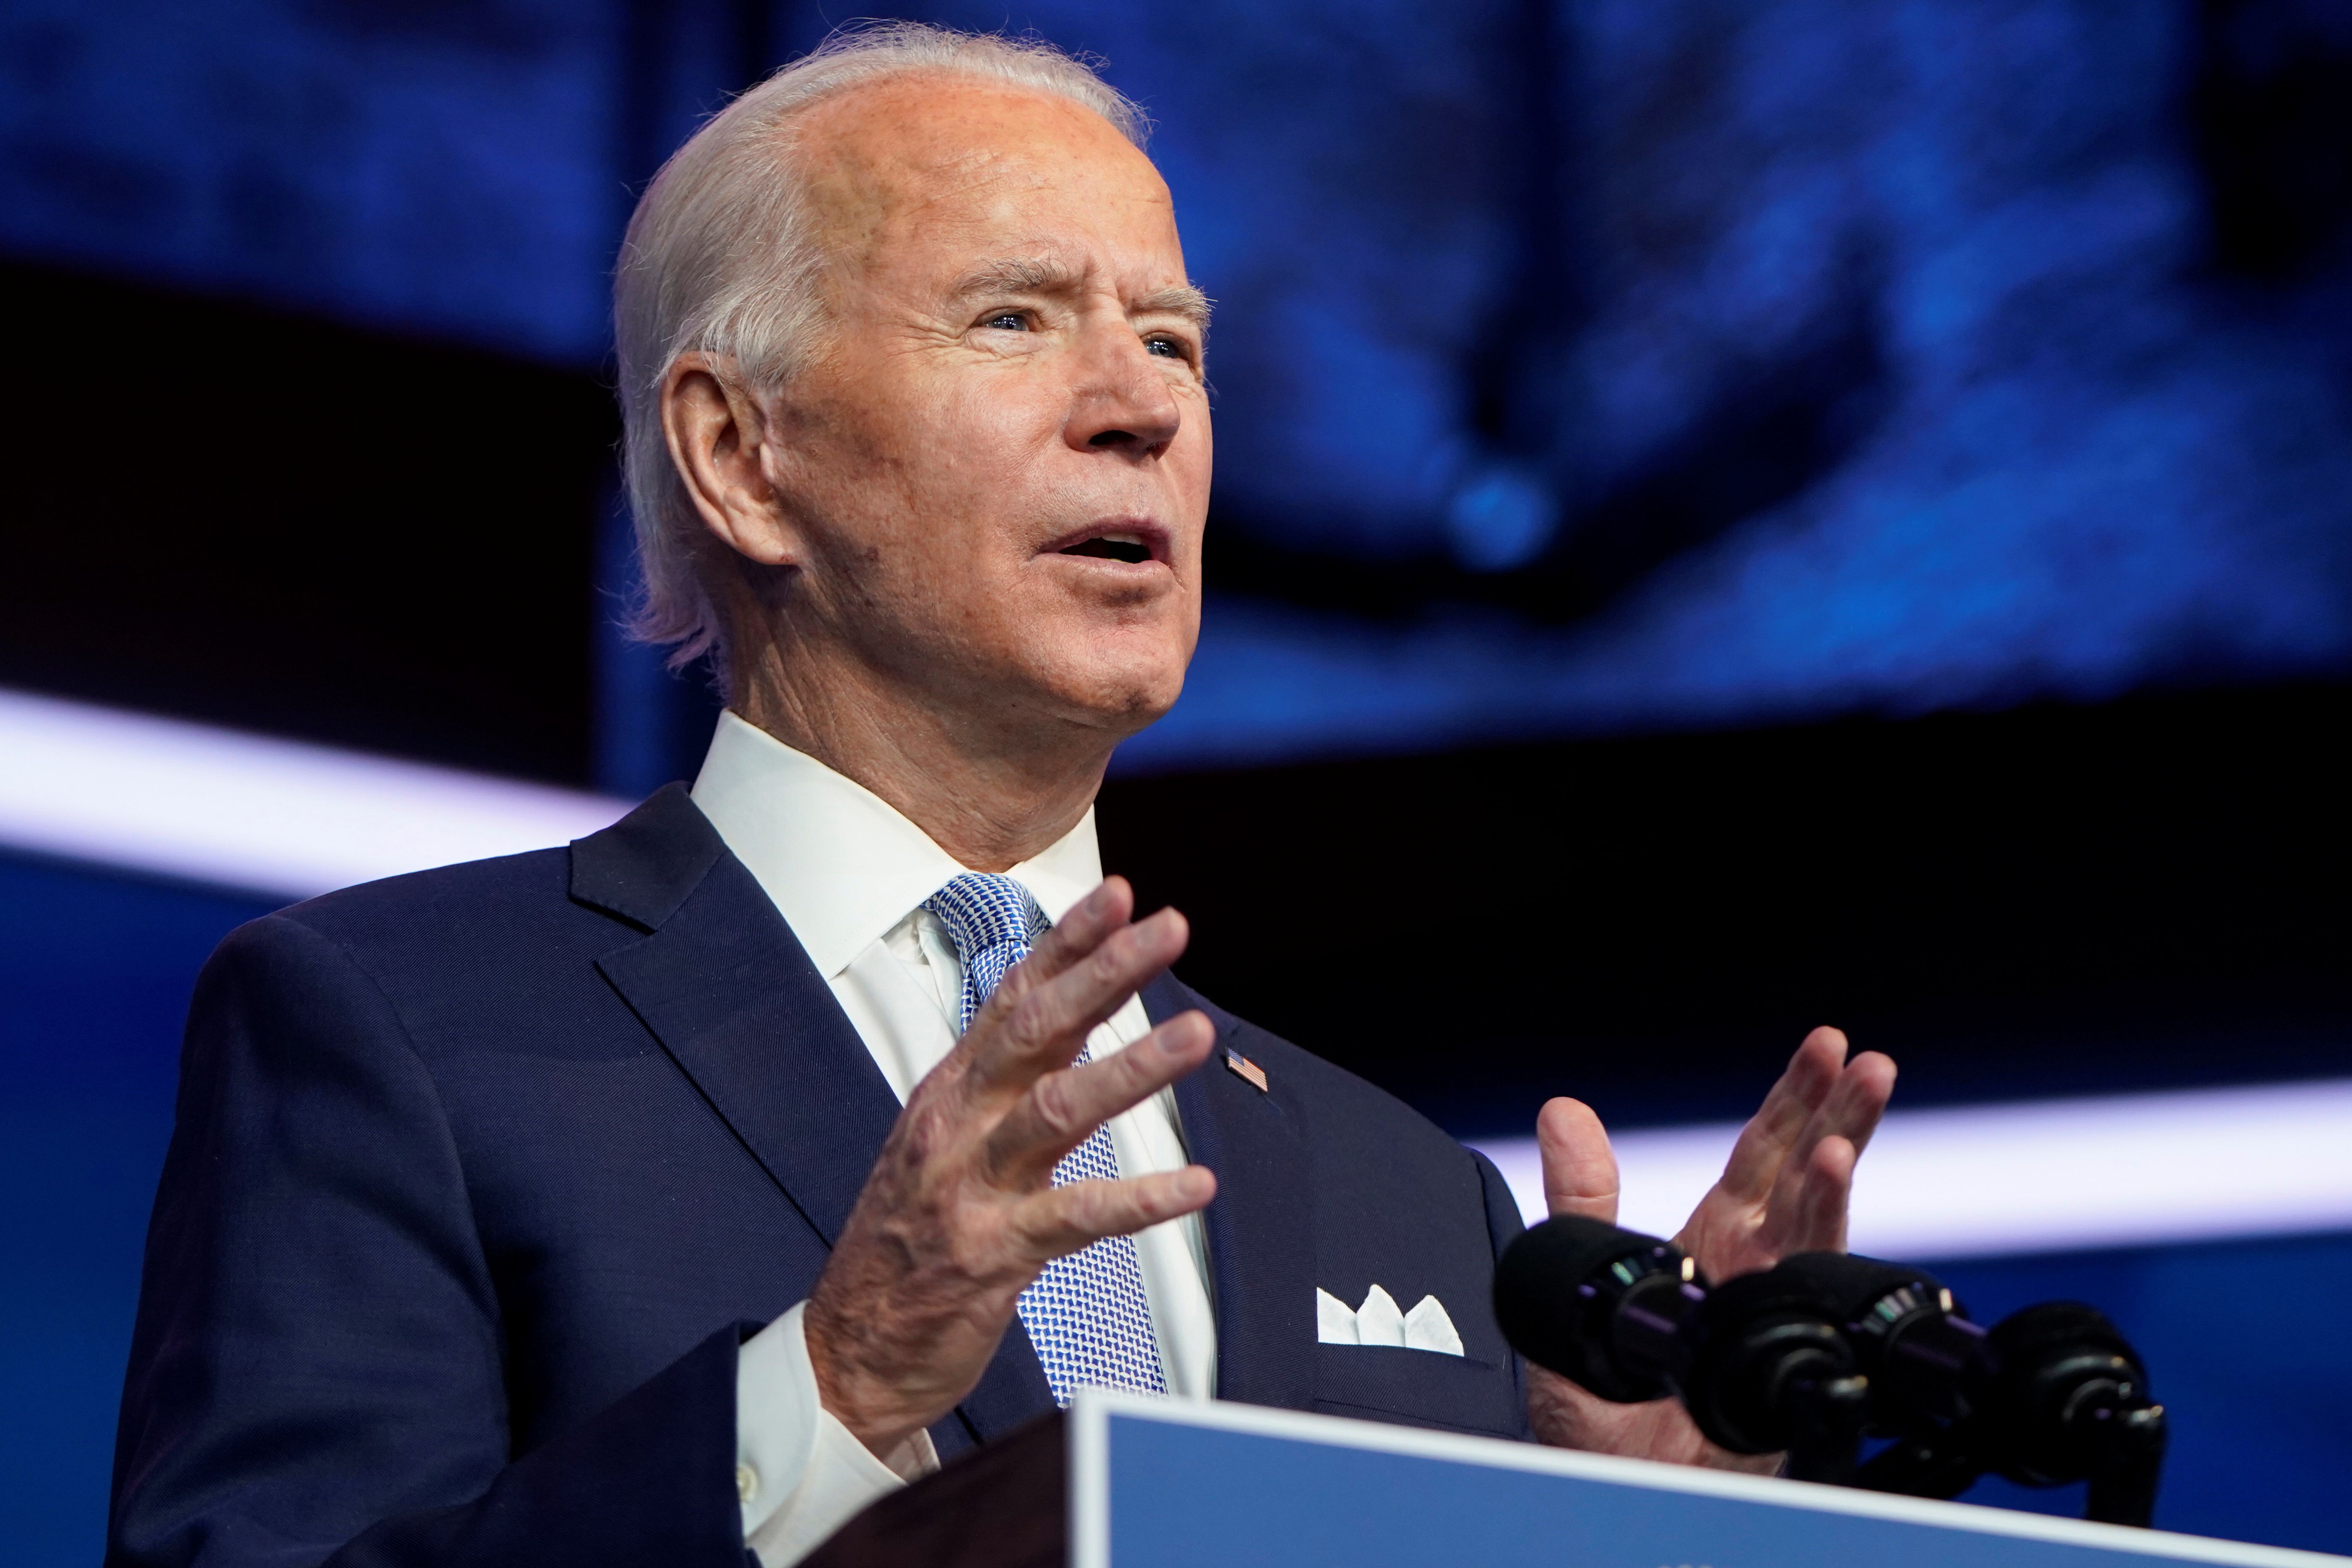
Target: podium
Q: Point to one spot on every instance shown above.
(1122, 1482)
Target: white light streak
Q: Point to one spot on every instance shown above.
(272, 816)
(2046, 1175)
(292, 820)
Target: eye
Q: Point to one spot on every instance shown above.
(1007, 322)
(1166, 348)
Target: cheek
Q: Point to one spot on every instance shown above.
(993, 428)
(926, 447)
(1195, 443)
(1190, 465)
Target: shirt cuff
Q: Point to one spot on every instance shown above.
(799, 1472)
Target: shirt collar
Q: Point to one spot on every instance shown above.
(840, 862)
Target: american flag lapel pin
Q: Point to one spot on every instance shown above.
(1248, 1071)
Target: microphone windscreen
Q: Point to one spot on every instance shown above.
(1543, 1309)
(1848, 1285)
(2034, 1334)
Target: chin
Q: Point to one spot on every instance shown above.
(1121, 707)
(1116, 691)
(1118, 677)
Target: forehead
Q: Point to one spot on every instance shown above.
(917, 170)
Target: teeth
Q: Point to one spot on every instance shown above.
(1120, 538)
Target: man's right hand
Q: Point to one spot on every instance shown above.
(960, 1213)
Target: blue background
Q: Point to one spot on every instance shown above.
(1583, 367)
(1653, 366)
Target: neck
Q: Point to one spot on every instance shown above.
(988, 798)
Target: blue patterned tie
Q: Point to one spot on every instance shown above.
(1086, 1313)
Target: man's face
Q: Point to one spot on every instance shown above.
(996, 468)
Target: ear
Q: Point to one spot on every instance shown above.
(715, 434)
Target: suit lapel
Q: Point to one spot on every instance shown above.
(1261, 1226)
(726, 989)
(725, 986)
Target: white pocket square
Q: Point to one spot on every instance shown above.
(1378, 1323)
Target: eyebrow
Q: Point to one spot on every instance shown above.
(1018, 275)
(1038, 275)
(1177, 299)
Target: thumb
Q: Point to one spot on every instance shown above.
(1579, 1174)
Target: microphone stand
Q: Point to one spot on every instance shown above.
(2057, 1396)
(1808, 1356)
(1770, 1369)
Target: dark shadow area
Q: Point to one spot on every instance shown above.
(2270, 114)
(2048, 900)
(298, 526)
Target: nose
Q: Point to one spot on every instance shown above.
(1122, 400)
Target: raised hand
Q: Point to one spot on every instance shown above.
(1785, 1190)
(959, 1214)
(1790, 1175)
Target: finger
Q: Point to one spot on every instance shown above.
(1851, 1110)
(1579, 1170)
(1030, 1029)
(1063, 1108)
(1824, 1196)
(1063, 1219)
(1084, 927)
(1772, 1132)
(1860, 1100)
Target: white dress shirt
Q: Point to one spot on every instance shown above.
(849, 875)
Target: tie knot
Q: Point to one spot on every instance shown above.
(993, 920)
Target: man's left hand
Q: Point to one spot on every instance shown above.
(1784, 1191)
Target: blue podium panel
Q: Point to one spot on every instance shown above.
(1187, 1484)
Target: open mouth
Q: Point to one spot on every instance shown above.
(1112, 547)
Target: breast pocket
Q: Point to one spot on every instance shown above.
(1419, 1388)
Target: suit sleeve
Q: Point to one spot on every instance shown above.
(316, 1374)
(1503, 1226)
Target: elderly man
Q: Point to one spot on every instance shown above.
(676, 1194)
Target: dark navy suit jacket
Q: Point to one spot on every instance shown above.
(480, 1176)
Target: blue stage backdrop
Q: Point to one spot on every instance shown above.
(1581, 365)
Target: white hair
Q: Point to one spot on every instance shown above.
(719, 258)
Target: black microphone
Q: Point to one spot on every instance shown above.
(2071, 1402)
(1758, 1364)
(1808, 1355)
(1771, 1368)
(2053, 1393)
(1923, 1356)
(1601, 1306)
(1927, 1362)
